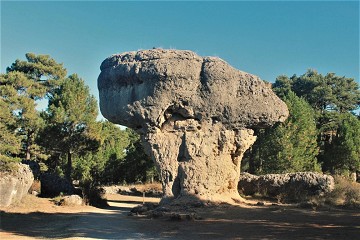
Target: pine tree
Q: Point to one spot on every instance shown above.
(103, 165)
(9, 142)
(332, 97)
(343, 153)
(27, 82)
(71, 121)
(329, 92)
(291, 146)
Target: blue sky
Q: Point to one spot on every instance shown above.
(264, 38)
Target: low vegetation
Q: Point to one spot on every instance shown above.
(346, 193)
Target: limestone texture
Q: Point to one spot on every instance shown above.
(15, 185)
(288, 187)
(195, 115)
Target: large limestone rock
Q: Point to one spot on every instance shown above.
(287, 187)
(15, 185)
(195, 115)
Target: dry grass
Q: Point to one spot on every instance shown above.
(346, 193)
(148, 186)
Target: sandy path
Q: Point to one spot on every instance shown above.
(46, 221)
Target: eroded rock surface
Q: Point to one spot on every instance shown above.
(15, 185)
(195, 115)
(287, 187)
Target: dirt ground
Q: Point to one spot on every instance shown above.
(39, 218)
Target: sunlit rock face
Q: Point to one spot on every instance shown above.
(195, 115)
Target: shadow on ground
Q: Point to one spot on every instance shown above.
(224, 222)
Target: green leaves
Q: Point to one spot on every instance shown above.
(23, 84)
(329, 92)
(71, 117)
(343, 152)
(71, 126)
(332, 98)
(291, 146)
(39, 68)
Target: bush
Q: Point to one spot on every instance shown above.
(93, 195)
(346, 193)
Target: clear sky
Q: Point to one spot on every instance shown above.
(266, 38)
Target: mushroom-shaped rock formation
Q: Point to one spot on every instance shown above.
(195, 116)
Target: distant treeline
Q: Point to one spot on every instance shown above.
(322, 132)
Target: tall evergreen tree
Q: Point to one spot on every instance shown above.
(103, 165)
(343, 153)
(31, 80)
(291, 146)
(71, 121)
(332, 97)
(9, 142)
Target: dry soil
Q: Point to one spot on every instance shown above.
(39, 218)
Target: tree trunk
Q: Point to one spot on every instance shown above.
(27, 150)
(69, 167)
(251, 162)
(28, 155)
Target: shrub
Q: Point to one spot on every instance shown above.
(346, 193)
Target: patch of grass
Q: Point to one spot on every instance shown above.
(148, 186)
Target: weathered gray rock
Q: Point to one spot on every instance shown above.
(15, 185)
(195, 115)
(289, 187)
(71, 200)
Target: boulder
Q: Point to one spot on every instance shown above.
(15, 185)
(195, 115)
(288, 187)
(71, 200)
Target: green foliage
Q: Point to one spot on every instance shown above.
(23, 84)
(343, 153)
(71, 126)
(66, 135)
(42, 69)
(137, 166)
(9, 142)
(290, 146)
(329, 92)
(332, 97)
(102, 166)
(120, 159)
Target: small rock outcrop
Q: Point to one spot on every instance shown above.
(71, 200)
(195, 115)
(288, 187)
(15, 185)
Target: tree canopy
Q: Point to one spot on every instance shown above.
(290, 146)
(71, 126)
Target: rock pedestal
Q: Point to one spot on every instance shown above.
(195, 116)
(199, 159)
